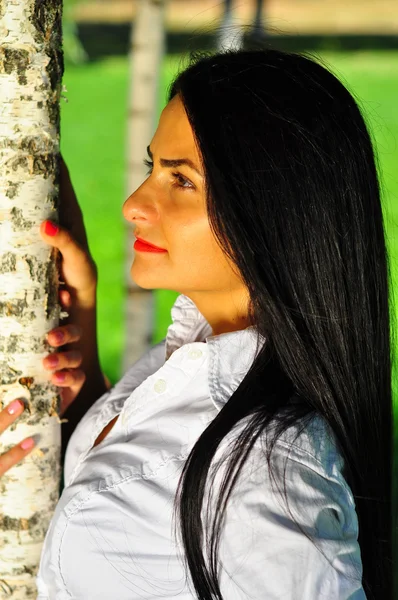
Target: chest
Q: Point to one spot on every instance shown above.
(105, 431)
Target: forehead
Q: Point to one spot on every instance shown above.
(174, 134)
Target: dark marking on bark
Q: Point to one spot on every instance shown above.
(32, 570)
(37, 294)
(16, 344)
(6, 588)
(15, 59)
(13, 309)
(47, 20)
(55, 68)
(11, 346)
(35, 525)
(40, 104)
(37, 268)
(20, 161)
(42, 404)
(8, 263)
(28, 144)
(53, 111)
(44, 164)
(52, 200)
(31, 592)
(17, 308)
(8, 374)
(4, 481)
(51, 279)
(12, 189)
(38, 158)
(26, 97)
(48, 466)
(18, 220)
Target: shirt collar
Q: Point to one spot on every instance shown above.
(230, 354)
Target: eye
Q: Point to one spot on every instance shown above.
(149, 164)
(181, 181)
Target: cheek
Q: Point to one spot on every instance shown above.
(191, 242)
(199, 253)
(186, 229)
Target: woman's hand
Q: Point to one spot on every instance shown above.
(79, 361)
(8, 416)
(78, 297)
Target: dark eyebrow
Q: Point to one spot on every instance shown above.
(173, 163)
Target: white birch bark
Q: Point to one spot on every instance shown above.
(146, 54)
(31, 67)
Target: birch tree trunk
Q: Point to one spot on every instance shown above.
(146, 54)
(31, 67)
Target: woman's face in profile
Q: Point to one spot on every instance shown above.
(169, 211)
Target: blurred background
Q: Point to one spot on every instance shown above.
(357, 38)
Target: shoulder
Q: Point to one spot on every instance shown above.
(313, 468)
(313, 444)
(291, 509)
(305, 462)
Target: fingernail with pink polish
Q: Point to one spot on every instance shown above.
(26, 444)
(15, 406)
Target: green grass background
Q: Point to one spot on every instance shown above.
(93, 142)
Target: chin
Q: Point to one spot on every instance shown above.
(143, 281)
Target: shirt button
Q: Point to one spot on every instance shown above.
(194, 353)
(160, 386)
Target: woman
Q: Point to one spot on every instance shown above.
(253, 444)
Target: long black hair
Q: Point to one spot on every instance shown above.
(293, 199)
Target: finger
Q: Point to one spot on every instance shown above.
(69, 378)
(10, 413)
(65, 298)
(61, 360)
(64, 335)
(15, 454)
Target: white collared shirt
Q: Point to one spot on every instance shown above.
(112, 535)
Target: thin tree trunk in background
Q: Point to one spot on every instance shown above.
(31, 67)
(146, 54)
(258, 18)
(230, 34)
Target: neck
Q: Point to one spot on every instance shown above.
(224, 311)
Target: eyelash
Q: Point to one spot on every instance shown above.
(179, 179)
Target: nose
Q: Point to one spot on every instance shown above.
(139, 207)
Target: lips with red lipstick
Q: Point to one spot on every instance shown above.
(144, 246)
